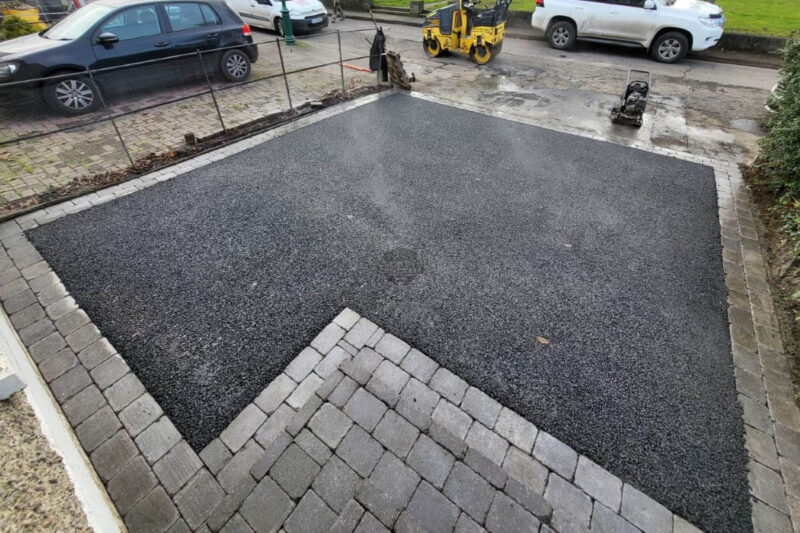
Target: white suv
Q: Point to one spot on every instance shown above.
(666, 28)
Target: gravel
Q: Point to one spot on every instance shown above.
(468, 237)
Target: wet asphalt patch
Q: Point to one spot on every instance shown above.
(469, 237)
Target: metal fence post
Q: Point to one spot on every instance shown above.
(110, 116)
(285, 79)
(213, 96)
(341, 60)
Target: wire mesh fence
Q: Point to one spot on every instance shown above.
(145, 110)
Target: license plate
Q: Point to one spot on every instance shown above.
(317, 20)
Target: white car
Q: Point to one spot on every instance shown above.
(668, 29)
(306, 15)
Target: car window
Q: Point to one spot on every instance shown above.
(132, 23)
(188, 15)
(76, 24)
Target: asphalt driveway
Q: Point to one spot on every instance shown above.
(466, 235)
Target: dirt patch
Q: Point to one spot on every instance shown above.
(158, 160)
(36, 493)
(783, 268)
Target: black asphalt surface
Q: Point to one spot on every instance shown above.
(466, 235)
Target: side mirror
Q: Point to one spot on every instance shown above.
(107, 38)
(649, 4)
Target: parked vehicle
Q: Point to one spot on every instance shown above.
(306, 15)
(112, 33)
(668, 29)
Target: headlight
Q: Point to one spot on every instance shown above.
(7, 70)
(713, 22)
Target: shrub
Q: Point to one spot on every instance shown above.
(15, 27)
(778, 163)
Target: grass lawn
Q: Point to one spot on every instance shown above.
(765, 17)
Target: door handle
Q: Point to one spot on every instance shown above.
(212, 34)
(615, 12)
(162, 44)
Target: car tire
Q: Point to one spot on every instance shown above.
(670, 47)
(73, 95)
(234, 65)
(279, 27)
(562, 35)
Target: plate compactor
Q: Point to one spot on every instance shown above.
(634, 99)
(474, 31)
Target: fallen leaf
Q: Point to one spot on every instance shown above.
(542, 340)
(5, 155)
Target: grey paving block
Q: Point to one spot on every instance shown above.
(370, 524)
(230, 504)
(52, 293)
(768, 520)
(215, 455)
(368, 359)
(389, 395)
(767, 486)
(47, 347)
(271, 454)
(417, 402)
(755, 414)
(449, 385)
(788, 443)
(507, 515)
(60, 307)
(452, 418)
(301, 418)
(122, 393)
(96, 353)
(113, 455)
(276, 392)
(131, 484)
(347, 318)
(432, 462)
(70, 383)
(294, 471)
(239, 466)
(448, 440)
(27, 316)
(391, 375)
(243, 427)
(72, 321)
(267, 507)
(97, 429)
(331, 361)
(679, 525)
(310, 516)
(481, 407)
(388, 489)
(343, 392)
(644, 512)
(304, 391)
(180, 527)
(784, 411)
(469, 491)
(35, 332)
(488, 469)
(198, 498)
(56, 365)
(9, 273)
(154, 513)
(572, 508)
(336, 483)
(330, 425)
(82, 337)
(360, 451)
(12, 288)
(598, 483)
(302, 365)
(604, 520)
(429, 510)
(313, 446)
(487, 442)
(396, 434)
(555, 455)
(392, 348)
(237, 524)
(109, 371)
(346, 346)
(19, 301)
(750, 384)
(349, 518)
(526, 469)
(356, 371)
(419, 365)
(516, 430)
(275, 424)
(360, 333)
(330, 384)
(531, 501)
(327, 338)
(177, 467)
(365, 409)
(140, 413)
(82, 405)
(35, 270)
(157, 439)
(465, 524)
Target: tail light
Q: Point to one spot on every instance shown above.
(246, 30)
(539, 3)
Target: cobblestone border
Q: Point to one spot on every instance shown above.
(159, 483)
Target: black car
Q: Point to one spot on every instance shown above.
(111, 33)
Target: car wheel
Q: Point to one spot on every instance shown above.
(234, 65)
(481, 54)
(670, 47)
(562, 35)
(432, 47)
(74, 95)
(279, 26)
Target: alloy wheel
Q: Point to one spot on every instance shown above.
(74, 94)
(669, 49)
(561, 36)
(236, 66)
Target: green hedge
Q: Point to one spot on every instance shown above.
(778, 163)
(15, 27)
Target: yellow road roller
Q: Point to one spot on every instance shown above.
(467, 28)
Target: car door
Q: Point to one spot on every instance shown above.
(130, 35)
(264, 12)
(628, 20)
(243, 8)
(193, 26)
(588, 16)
